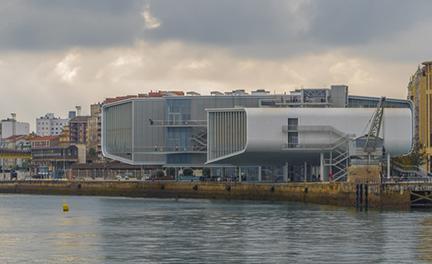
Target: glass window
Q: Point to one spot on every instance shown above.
(292, 123)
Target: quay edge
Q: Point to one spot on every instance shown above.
(379, 196)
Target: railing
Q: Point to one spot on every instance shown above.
(174, 123)
(407, 170)
(289, 128)
(331, 145)
(169, 149)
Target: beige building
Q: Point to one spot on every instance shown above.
(94, 132)
(420, 92)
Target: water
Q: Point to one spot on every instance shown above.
(33, 229)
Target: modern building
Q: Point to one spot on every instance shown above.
(50, 125)
(420, 93)
(11, 127)
(318, 142)
(171, 130)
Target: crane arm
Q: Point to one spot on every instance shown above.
(375, 128)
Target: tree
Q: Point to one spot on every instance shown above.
(188, 172)
(206, 172)
(157, 174)
(170, 172)
(92, 153)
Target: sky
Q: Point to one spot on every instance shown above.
(55, 55)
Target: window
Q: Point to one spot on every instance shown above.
(292, 124)
(292, 139)
(292, 132)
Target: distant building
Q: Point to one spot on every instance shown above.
(44, 142)
(419, 92)
(64, 137)
(71, 114)
(78, 130)
(94, 132)
(53, 162)
(11, 127)
(49, 125)
(21, 142)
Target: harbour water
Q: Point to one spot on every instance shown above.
(33, 229)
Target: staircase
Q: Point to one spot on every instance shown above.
(199, 140)
(338, 159)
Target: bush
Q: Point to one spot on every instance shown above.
(188, 172)
(158, 174)
(170, 172)
(206, 172)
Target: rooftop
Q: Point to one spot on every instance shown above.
(44, 138)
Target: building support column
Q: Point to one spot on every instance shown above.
(259, 174)
(286, 170)
(239, 174)
(321, 171)
(305, 171)
(388, 165)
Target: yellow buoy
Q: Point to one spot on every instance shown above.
(65, 207)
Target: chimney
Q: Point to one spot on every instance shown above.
(78, 109)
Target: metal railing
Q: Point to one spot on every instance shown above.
(169, 149)
(327, 146)
(331, 129)
(180, 123)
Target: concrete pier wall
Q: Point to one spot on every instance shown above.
(342, 194)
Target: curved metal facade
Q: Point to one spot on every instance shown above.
(282, 134)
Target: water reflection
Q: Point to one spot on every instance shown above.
(424, 246)
(113, 230)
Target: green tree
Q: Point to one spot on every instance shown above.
(206, 172)
(170, 172)
(92, 153)
(157, 174)
(188, 172)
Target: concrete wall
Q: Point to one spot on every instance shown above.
(344, 194)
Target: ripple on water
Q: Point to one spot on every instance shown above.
(33, 229)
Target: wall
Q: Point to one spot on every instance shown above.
(343, 194)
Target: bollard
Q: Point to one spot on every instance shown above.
(272, 189)
(366, 196)
(357, 194)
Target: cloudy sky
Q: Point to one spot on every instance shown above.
(58, 54)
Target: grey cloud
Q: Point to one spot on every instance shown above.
(352, 22)
(281, 28)
(42, 24)
(254, 28)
